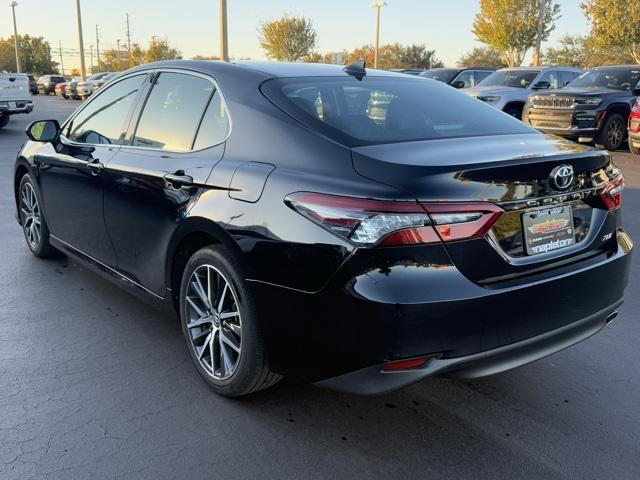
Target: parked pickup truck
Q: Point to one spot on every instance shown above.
(14, 96)
(593, 108)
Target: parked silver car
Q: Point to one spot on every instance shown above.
(507, 89)
(85, 89)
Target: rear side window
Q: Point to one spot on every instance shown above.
(103, 119)
(379, 110)
(173, 111)
(215, 124)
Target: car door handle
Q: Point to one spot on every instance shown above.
(96, 167)
(179, 179)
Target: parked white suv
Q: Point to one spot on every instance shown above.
(507, 89)
(14, 96)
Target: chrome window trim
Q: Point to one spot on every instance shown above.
(150, 71)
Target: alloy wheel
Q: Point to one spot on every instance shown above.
(615, 134)
(30, 212)
(214, 323)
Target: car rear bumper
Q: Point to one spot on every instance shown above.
(413, 302)
(22, 106)
(375, 380)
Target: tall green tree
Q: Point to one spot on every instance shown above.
(288, 38)
(407, 56)
(161, 50)
(615, 24)
(511, 26)
(34, 55)
(482, 57)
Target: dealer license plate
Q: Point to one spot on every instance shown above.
(548, 229)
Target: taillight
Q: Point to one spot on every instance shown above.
(612, 194)
(387, 223)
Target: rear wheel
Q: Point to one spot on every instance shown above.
(514, 111)
(613, 133)
(34, 226)
(220, 325)
(633, 148)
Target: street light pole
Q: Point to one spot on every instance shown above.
(16, 45)
(224, 48)
(377, 6)
(118, 54)
(91, 56)
(83, 70)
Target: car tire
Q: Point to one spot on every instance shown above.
(34, 225)
(227, 350)
(4, 120)
(635, 150)
(515, 112)
(613, 132)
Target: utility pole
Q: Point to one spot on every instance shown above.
(61, 61)
(128, 36)
(83, 70)
(118, 43)
(536, 54)
(377, 6)
(98, 46)
(91, 54)
(224, 47)
(16, 43)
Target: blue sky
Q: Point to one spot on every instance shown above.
(192, 25)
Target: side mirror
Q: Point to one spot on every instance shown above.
(44, 131)
(542, 85)
(458, 84)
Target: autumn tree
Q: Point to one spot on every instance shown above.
(482, 57)
(161, 50)
(511, 26)
(583, 51)
(615, 24)
(34, 55)
(288, 38)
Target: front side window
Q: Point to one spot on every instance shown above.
(550, 76)
(378, 110)
(613, 78)
(467, 78)
(172, 112)
(444, 75)
(102, 121)
(510, 78)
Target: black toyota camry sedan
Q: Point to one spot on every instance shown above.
(354, 228)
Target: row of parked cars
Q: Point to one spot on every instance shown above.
(69, 87)
(600, 105)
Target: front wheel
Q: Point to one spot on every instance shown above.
(34, 226)
(220, 324)
(613, 133)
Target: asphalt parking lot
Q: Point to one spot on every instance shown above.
(95, 384)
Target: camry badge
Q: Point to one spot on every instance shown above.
(562, 177)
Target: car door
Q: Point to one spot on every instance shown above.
(70, 174)
(160, 171)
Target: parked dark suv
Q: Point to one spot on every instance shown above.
(592, 108)
(47, 83)
(357, 228)
(459, 77)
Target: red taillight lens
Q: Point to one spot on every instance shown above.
(460, 221)
(400, 365)
(386, 223)
(612, 194)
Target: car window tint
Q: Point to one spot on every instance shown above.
(466, 77)
(565, 78)
(481, 75)
(550, 76)
(215, 124)
(103, 119)
(173, 111)
(376, 110)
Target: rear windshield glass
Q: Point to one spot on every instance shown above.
(614, 78)
(379, 110)
(510, 78)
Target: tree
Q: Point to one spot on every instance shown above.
(34, 55)
(482, 57)
(582, 51)
(205, 57)
(161, 50)
(510, 26)
(409, 56)
(288, 38)
(74, 73)
(615, 24)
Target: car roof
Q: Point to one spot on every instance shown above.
(262, 68)
(616, 67)
(543, 68)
